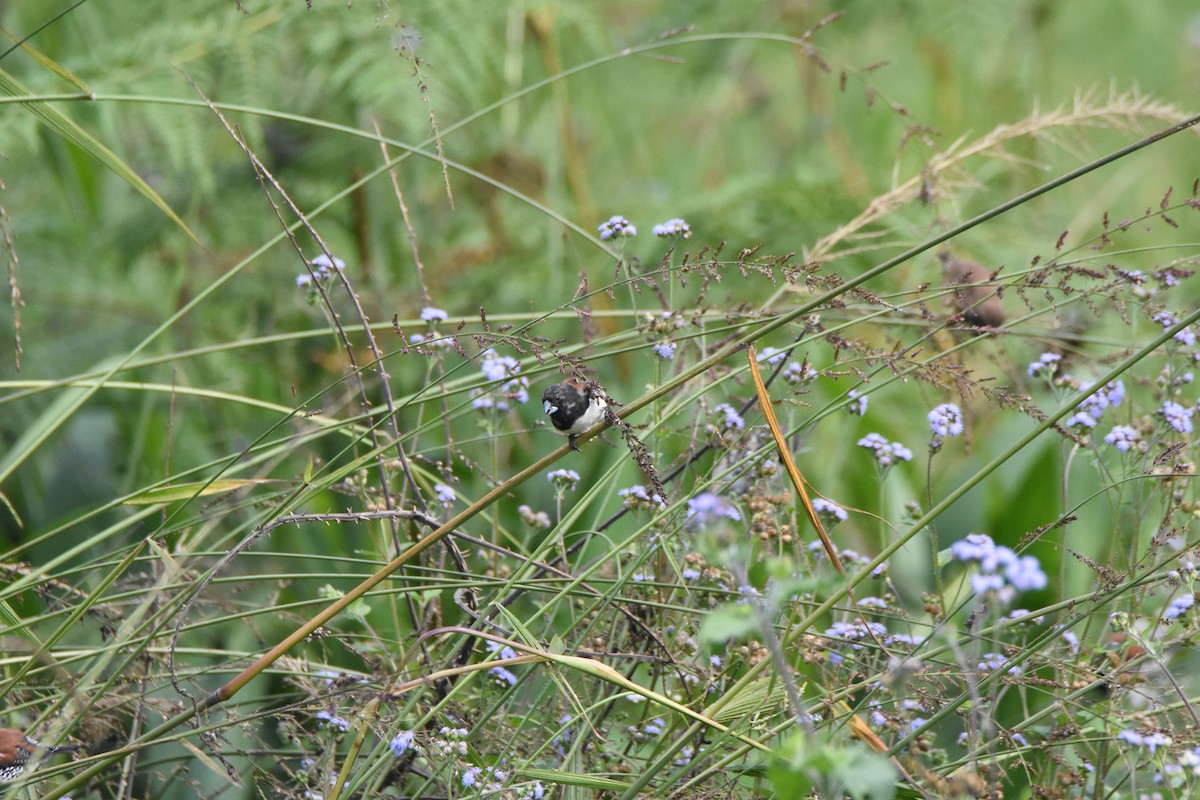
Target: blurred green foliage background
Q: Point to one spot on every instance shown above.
(731, 115)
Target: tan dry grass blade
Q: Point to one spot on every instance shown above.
(857, 725)
(764, 401)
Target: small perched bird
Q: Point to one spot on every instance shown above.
(979, 304)
(573, 407)
(17, 752)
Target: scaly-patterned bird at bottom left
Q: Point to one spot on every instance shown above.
(17, 753)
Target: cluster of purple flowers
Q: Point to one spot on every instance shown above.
(1122, 437)
(830, 512)
(771, 355)
(857, 635)
(1001, 571)
(945, 421)
(994, 662)
(563, 479)
(451, 741)
(796, 373)
(732, 418)
(1179, 417)
(504, 369)
(1166, 319)
(1046, 366)
(617, 227)
(1178, 607)
(445, 494)
(638, 496)
(707, 507)
(534, 519)
(858, 403)
(1151, 741)
(886, 453)
(672, 227)
(322, 268)
(402, 742)
(333, 721)
(502, 675)
(1087, 415)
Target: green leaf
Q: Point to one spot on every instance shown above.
(728, 622)
(186, 491)
(801, 762)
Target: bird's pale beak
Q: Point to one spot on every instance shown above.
(548, 407)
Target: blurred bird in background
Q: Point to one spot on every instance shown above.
(980, 306)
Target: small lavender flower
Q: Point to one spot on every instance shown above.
(445, 494)
(401, 742)
(1178, 607)
(1000, 569)
(617, 226)
(639, 497)
(983, 583)
(772, 355)
(732, 418)
(831, 512)
(993, 662)
(1113, 393)
(431, 314)
(534, 519)
(471, 776)
(665, 350)
(1167, 319)
(746, 592)
(708, 507)
(333, 721)
(1177, 416)
(1151, 741)
(796, 373)
(323, 267)
(503, 676)
(672, 227)
(1081, 420)
(1047, 365)
(1025, 573)
(303, 280)
(496, 367)
(690, 574)
(975, 547)
(858, 403)
(501, 650)
(1123, 438)
(654, 727)
(945, 420)
(853, 632)
(886, 453)
(564, 479)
